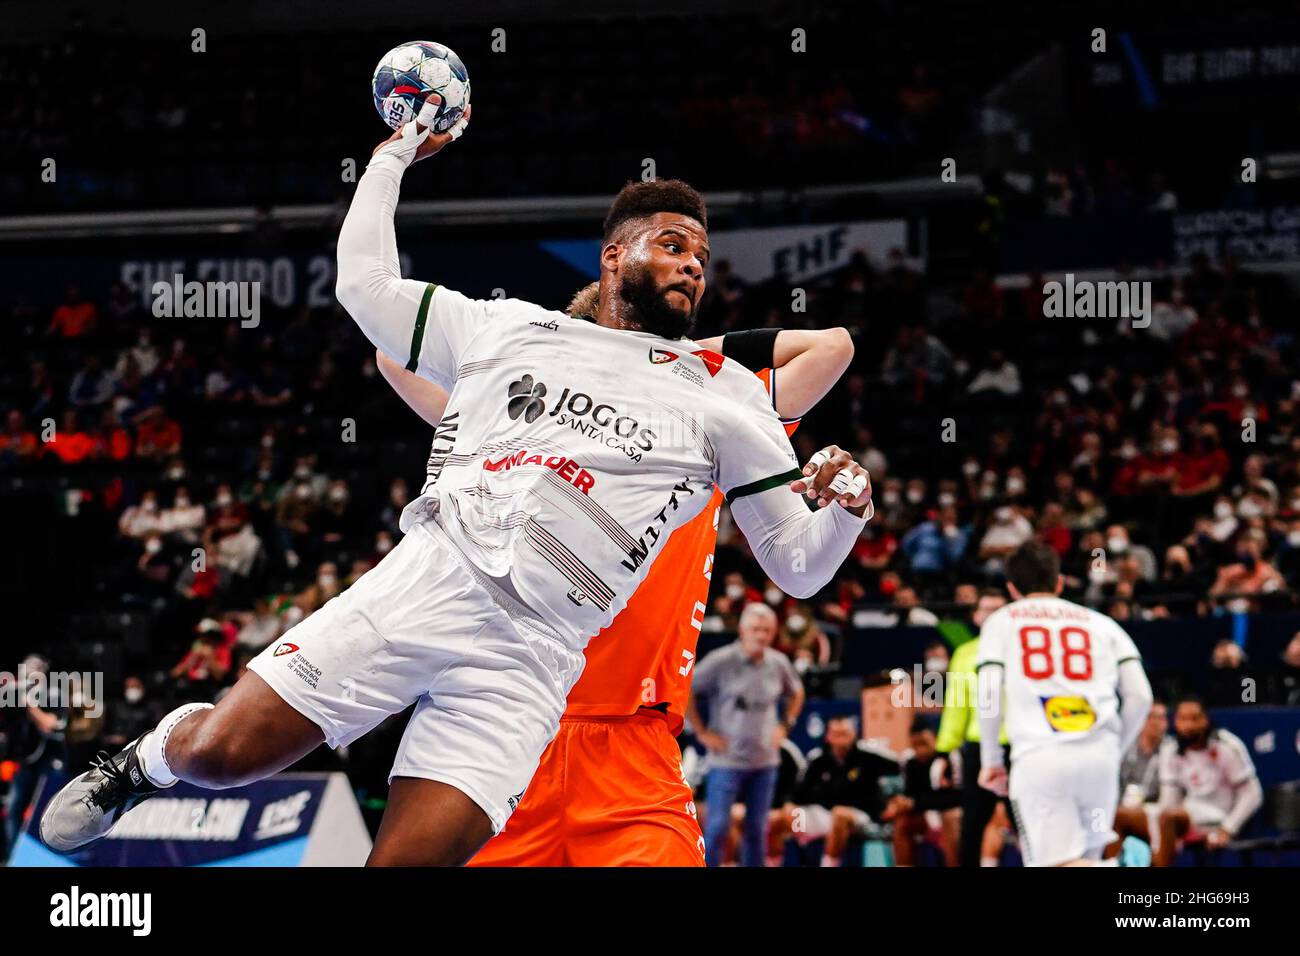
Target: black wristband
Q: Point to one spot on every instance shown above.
(754, 348)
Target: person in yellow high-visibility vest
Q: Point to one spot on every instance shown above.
(959, 730)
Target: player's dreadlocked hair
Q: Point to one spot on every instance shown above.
(637, 200)
(584, 303)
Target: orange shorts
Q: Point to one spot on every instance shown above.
(608, 792)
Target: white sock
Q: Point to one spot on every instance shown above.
(153, 759)
(830, 860)
(988, 861)
(1113, 861)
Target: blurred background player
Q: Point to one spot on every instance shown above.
(929, 808)
(745, 684)
(837, 796)
(1076, 697)
(1208, 787)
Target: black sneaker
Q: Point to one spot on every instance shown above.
(87, 807)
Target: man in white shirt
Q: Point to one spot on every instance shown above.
(568, 452)
(1208, 787)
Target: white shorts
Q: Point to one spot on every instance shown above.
(818, 820)
(1064, 798)
(422, 626)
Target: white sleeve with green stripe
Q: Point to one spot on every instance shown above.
(424, 327)
(799, 549)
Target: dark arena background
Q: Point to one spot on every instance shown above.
(947, 181)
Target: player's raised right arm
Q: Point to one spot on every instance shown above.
(392, 311)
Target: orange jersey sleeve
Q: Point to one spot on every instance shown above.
(646, 655)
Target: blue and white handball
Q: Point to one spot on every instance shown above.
(422, 81)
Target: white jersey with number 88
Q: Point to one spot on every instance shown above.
(1060, 666)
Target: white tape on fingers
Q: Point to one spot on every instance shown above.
(842, 480)
(857, 486)
(818, 459)
(429, 112)
(458, 129)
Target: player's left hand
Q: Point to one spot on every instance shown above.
(832, 475)
(994, 779)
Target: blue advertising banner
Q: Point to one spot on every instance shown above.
(308, 819)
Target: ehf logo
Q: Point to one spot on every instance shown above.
(525, 398)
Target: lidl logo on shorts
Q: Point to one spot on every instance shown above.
(1069, 715)
(285, 648)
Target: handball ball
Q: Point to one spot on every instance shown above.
(421, 80)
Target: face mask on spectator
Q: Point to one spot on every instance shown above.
(302, 471)
(1117, 543)
(338, 494)
(133, 695)
(773, 596)
(176, 472)
(915, 495)
(182, 501)
(1249, 508)
(1015, 486)
(327, 580)
(890, 497)
(149, 504)
(1168, 446)
(1223, 510)
(936, 664)
(796, 624)
(1127, 452)
(304, 491)
(735, 591)
(970, 469)
(1293, 538)
(153, 545)
(383, 544)
(225, 499)
(268, 441)
(947, 499)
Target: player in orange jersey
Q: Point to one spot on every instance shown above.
(609, 790)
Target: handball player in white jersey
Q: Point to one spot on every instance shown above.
(1070, 684)
(569, 452)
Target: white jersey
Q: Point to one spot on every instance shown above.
(1207, 779)
(569, 452)
(1060, 664)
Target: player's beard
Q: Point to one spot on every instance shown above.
(651, 311)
